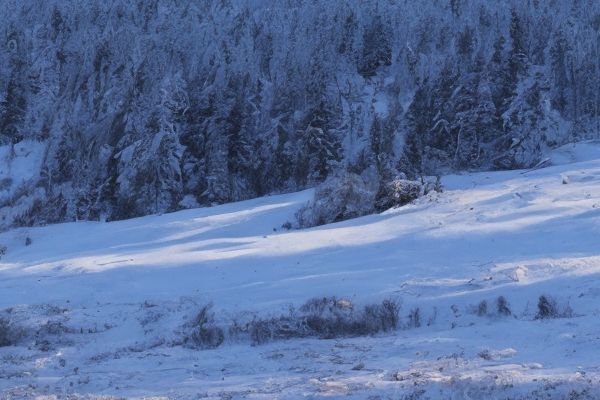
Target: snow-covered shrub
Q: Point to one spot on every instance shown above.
(398, 192)
(382, 317)
(205, 334)
(481, 308)
(277, 328)
(54, 328)
(326, 318)
(10, 335)
(341, 197)
(331, 317)
(502, 306)
(548, 308)
(485, 354)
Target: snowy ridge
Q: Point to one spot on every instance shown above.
(103, 304)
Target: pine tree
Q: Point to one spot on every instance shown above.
(320, 142)
(13, 106)
(239, 152)
(558, 54)
(417, 124)
(377, 50)
(530, 123)
(382, 137)
(518, 53)
(465, 127)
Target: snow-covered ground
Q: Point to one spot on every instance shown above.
(101, 307)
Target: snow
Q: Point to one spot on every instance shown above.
(124, 290)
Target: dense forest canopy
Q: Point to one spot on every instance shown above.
(119, 108)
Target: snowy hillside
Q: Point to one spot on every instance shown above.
(121, 108)
(101, 309)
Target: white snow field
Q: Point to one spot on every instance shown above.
(100, 308)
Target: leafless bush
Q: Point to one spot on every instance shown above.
(54, 328)
(205, 334)
(414, 318)
(485, 354)
(482, 308)
(10, 334)
(382, 317)
(502, 306)
(327, 318)
(548, 308)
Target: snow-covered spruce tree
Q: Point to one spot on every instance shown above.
(417, 124)
(319, 145)
(531, 124)
(377, 50)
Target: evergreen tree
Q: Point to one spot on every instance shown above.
(320, 142)
(558, 54)
(518, 52)
(417, 124)
(377, 50)
(12, 110)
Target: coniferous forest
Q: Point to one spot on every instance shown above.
(120, 108)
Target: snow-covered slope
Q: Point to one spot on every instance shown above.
(101, 304)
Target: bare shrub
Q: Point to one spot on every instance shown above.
(485, 354)
(10, 335)
(279, 328)
(502, 306)
(482, 308)
(54, 328)
(382, 317)
(326, 318)
(329, 317)
(204, 334)
(548, 308)
(414, 318)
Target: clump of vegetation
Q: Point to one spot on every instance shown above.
(345, 195)
(414, 318)
(342, 196)
(398, 192)
(327, 318)
(205, 334)
(482, 308)
(485, 354)
(502, 306)
(10, 335)
(548, 308)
